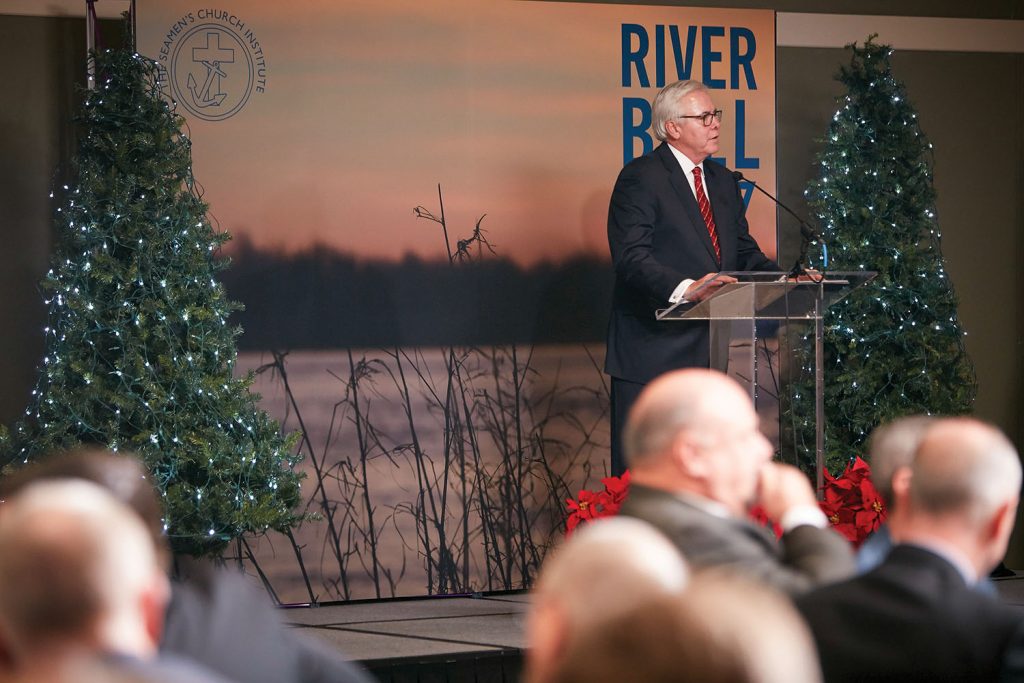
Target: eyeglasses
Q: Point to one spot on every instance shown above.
(706, 118)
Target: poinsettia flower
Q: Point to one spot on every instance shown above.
(851, 502)
(857, 471)
(592, 505)
(610, 507)
(758, 514)
(839, 486)
(841, 494)
(587, 506)
(873, 511)
(617, 487)
(841, 518)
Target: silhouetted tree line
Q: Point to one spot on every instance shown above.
(323, 298)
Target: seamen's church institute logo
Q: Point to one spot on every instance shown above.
(212, 63)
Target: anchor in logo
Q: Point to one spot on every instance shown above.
(211, 56)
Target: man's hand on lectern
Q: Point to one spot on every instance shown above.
(706, 286)
(810, 275)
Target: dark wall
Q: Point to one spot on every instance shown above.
(42, 66)
(38, 73)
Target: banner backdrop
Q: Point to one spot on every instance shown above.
(431, 180)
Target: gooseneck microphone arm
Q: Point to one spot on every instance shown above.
(807, 233)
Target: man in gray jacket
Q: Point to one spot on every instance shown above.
(698, 462)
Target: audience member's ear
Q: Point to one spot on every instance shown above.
(689, 457)
(901, 485)
(153, 604)
(997, 531)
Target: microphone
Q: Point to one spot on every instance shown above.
(806, 230)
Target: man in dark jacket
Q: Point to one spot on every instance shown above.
(916, 617)
(675, 221)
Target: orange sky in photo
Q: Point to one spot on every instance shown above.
(515, 108)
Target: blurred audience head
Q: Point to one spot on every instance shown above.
(78, 573)
(604, 570)
(696, 431)
(722, 630)
(891, 449)
(964, 488)
(121, 474)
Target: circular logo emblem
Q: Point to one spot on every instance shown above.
(211, 72)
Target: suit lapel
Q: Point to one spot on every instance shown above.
(689, 203)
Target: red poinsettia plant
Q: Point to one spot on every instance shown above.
(850, 501)
(595, 504)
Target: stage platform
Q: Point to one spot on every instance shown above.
(457, 638)
(1011, 588)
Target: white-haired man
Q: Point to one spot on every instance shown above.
(916, 617)
(676, 219)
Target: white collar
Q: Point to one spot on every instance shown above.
(684, 162)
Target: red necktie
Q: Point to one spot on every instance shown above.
(705, 211)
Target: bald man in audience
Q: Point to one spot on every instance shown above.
(698, 462)
(603, 571)
(723, 629)
(216, 616)
(915, 617)
(81, 589)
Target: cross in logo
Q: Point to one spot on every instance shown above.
(212, 55)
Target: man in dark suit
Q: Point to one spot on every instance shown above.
(916, 617)
(698, 462)
(676, 220)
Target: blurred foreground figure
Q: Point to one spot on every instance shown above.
(891, 451)
(81, 589)
(698, 462)
(916, 617)
(724, 629)
(604, 571)
(215, 616)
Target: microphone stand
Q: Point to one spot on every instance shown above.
(807, 233)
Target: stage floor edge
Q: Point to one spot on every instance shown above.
(449, 638)
(452, 638)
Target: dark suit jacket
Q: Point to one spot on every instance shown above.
(658, 239)
(803, 558)
(913, 618)
(217, 618)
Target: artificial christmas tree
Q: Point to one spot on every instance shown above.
(893, 347)
(139, 351)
